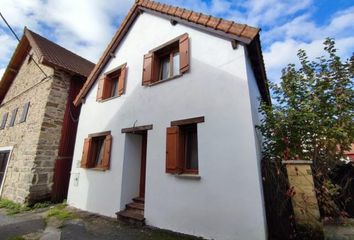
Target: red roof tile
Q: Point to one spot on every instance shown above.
(49, 54)
(58, 56)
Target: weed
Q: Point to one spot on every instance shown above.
(17, 238)
(41, 205)
(60, 212)
(12, 207)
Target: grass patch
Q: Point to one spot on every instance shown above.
(12, 207)
(41, 205)
(17, 238)
(60, 212)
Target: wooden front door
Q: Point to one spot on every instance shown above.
(4, 157)
(143, 165)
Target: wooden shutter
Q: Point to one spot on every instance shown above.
(184, 53)
(148, 71)
(24, 112)
(100, 88)
(174, 163)
(85, 160)
(107, 152)
(121, 80)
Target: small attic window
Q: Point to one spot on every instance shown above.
(30, 57)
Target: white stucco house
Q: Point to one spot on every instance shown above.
(167, 134)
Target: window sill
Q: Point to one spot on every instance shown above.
(165, 80)
(107, 99)
(188, 176)
(99, 169)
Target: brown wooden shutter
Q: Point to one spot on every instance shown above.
(85, 160)
(184, 53)
(148, 68)
(121, 80)
(100, 88)
(174, 163)
(107, 152)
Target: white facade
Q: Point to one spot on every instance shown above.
(227, 201)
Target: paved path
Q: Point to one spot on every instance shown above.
(85, 226)
(12, 226)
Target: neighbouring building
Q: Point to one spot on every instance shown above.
(167, 133)
(38, 120)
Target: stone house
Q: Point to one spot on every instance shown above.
(167, 133)
(38, 120)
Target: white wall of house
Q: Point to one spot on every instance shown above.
(226, 202)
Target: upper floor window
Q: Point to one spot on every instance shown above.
(24, 112)
(4, 120)
(13, 117)
(167, 61)
(112, 83)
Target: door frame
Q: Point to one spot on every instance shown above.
(142, 181)
(143, 131)
(7, 165)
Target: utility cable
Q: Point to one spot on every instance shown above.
(18, 39)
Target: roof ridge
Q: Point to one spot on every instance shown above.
(244, 31)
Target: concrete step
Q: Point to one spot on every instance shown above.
(135, 205)
(139, 200)
(131, 216)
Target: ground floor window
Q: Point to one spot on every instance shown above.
(97, 151)
(182, 146)
(4, 158)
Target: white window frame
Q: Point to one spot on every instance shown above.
(7, 165)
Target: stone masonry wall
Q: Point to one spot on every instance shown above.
(49, 138)
(23, 137)
(35, 142)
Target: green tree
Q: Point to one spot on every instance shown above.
(312, 114)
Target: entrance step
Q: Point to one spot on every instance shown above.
(133, 213)
(139, 200)
(137, 206)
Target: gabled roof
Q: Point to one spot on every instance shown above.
(218, 26)
(49, 54)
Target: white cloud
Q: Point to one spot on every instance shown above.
(282, 53)
(302, 33)
(7, 44)
(86, 26)
(79, 25)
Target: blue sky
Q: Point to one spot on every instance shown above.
(86, 26)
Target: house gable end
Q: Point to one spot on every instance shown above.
(220, 27)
